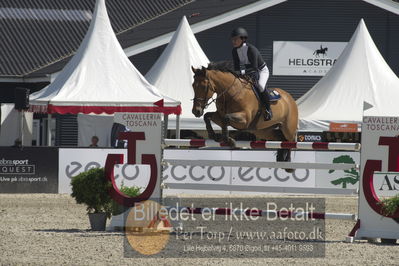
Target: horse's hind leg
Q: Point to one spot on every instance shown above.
(289, 131)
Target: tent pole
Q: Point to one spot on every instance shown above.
(165, 126)
(177, 127)
(49, 130)
(21, 126)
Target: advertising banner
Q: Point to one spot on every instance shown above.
(305, 58)
(148, 126)
(262, 177)
(272, 176)
(28, 170)
(74, 161)
(379, 168)
(189, 174)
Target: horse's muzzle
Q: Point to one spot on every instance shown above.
(198, 111)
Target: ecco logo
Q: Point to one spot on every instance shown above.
(216, 173)
(128, 171)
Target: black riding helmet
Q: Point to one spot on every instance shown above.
(240, 32)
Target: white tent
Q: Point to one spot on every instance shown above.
(101, 79)
(10, 126)
(360, 74)
(172, 74)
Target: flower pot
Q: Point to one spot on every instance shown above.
(98, 221)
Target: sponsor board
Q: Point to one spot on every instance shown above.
(28, 170)
(344, 127)
(143, 136)
(252, 176)
(305, 58)
(197, 174)
(386, 184)
(75, 161)
(379, 165)
(310, 137)
(272, 176)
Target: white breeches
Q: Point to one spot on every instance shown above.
(263, 77)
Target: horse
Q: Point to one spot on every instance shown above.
(237, 106)
(320, 51)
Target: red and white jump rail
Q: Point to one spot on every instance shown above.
(267, 213)
(265, 144)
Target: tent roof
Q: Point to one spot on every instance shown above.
(172, 74)
(360, 74)
(101, 79)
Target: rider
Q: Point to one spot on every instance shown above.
(248, 61)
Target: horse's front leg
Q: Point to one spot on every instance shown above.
(220, 121)
(237, 120)
(215, 117)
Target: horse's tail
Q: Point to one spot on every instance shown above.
(290, 125)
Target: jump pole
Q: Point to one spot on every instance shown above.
(268, 213)
(205, 143)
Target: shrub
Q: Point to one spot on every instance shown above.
(390, 205)
(91, 188)
(128, 191)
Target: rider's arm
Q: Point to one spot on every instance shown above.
(254, 58)
(236, 60)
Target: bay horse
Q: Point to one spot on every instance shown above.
(237, 106)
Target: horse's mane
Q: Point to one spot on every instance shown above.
(223, 66)
(227, 67)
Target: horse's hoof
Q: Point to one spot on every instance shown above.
(231, 142)
(218, 137)
(289, 170)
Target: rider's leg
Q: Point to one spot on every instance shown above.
(264, 93)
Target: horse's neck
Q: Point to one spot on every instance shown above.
(223, 81)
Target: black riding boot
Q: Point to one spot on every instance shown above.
(264, 98)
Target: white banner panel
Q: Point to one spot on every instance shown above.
(305, 58)
(197, 174)
(75, 161)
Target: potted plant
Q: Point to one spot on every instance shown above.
(390, 205)
(132, 191)
(119, 212)
(91, 188)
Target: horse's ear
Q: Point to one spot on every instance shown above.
(194, 69)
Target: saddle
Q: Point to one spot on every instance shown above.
(274, 96)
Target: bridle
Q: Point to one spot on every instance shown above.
(210, 87)
(204, 100)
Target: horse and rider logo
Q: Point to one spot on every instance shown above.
(322, 51)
